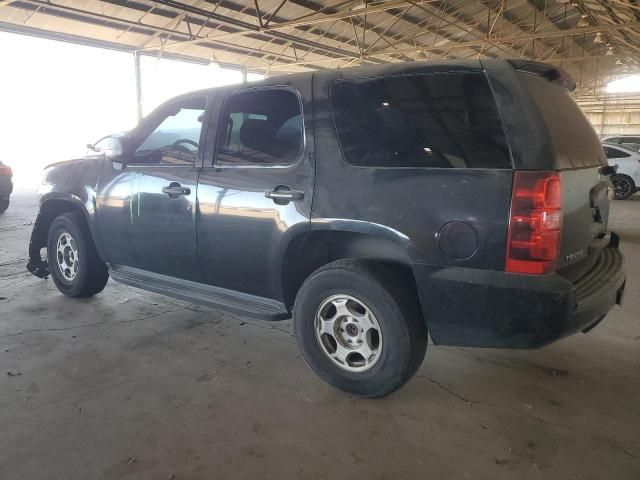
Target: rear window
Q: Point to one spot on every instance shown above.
(611, 152)
(431, 120)
(575, 142)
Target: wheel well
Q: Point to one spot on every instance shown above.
(622, 175)
(49, 210)
(313, 250)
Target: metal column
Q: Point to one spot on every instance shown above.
(136, 63)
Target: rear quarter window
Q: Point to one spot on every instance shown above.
(432, 120)
(611, 152)
(575, 142)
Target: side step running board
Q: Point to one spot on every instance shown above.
(202, 294)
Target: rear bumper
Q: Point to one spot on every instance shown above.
(482, 308)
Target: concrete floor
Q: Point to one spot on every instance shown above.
(134, 385)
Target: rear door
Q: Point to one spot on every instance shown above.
(579, 156)
(254, 192)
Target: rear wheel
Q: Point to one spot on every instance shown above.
(75, 266)
(360, 328)
(623, 186)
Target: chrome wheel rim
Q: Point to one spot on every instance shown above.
(67, 256)
(348, 333)
(621, 186)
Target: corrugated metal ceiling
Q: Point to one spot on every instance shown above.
(593, 40)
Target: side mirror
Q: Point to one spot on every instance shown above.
(116, 150)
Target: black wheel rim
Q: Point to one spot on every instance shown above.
(621, 186)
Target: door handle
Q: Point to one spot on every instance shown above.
(284, 194)
(175, 190)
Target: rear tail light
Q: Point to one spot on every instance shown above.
(5, 171)
(535, 223)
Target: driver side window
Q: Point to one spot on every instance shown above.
(175, 140)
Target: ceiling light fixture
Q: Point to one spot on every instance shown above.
(584, 21)
(598, 38)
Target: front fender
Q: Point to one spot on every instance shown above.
(66, 186)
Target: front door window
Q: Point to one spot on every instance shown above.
(176, 138)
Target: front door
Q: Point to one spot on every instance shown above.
(254, 192)
(146, 207)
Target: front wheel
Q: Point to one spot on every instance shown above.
(75, 266)
(360, 328)
(623, 186)
(4, 204)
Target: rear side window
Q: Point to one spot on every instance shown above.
(436, 120)
(575, 142)
(615, 153)
(260, 127)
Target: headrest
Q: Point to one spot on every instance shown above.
(258, 135)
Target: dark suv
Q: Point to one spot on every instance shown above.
(467, 200)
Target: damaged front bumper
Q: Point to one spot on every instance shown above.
(36, 265)
(39, 268)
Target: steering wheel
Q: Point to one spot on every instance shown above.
(178, 144)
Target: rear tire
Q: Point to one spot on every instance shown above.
(352, 306)
(623, 186)
(75, 266)
(4, 204)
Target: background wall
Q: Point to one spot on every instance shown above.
(613, 114)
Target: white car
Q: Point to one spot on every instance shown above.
(627, 177)
(629, 141)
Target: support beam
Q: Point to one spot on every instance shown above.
(524, 37)
(138, 74)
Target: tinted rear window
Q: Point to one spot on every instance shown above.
(611, 152)
(575, 142)
(437, 120)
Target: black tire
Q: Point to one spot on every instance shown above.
(623, 186)
(91, 274)
(4, 204)
(391, 298)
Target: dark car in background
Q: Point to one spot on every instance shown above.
(468, 200)
(6, 186)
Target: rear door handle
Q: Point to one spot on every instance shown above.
(175, 190)
(284, 193)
